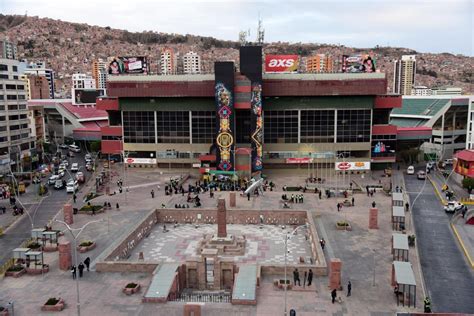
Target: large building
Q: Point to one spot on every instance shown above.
(37, 87)
(99, 73)
(8, 50)
(82, 81)
(319, 63)
(40, 69)
(404, 75)
(168, 62)
(191, 63)
(17, 146)
(275, 120)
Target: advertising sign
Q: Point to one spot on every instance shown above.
(358, 63)
(141, 160)
(383, 148)
(349, 165)
(299, 160)
(281, 63)
(128, 65)
(87, 96)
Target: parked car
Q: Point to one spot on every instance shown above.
(75, 167)
(411, 170)
(65, 163)
(453, 206)
(448, 162)
(72, 186)
(59, 185)
(74, 148)
(430, 165)
(63, 146)
(87, 157)
(80, 177)
(52, 180)
(421, 175)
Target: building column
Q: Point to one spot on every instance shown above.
(156, 127)
(442, 136)
(191, 127)
(64, 127)
(335, 126)
(299, 126)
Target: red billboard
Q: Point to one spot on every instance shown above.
(281, 63)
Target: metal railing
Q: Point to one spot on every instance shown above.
(201, 297)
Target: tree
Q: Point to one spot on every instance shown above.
(95, 146)
(468, 183)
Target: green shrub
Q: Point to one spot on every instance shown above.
(89, 208)
(33, 245)
(52, 301)
(86, 243)
(15, 268)
(342, 223)
(131, 285)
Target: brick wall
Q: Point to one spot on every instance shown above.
(126, 266)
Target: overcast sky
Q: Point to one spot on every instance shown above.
(424, 25)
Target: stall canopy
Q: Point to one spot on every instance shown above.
(406, 283)
(397, 199)
(400, 247)
(398, 218)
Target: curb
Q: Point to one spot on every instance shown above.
(443, 201)
(461, 243)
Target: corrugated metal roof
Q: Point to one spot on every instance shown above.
(404, 273)
(425, 107)
(400, 241)
(407, 122)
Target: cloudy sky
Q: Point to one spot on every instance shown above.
(424, 25)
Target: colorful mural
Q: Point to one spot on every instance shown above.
(224, 140)
(257, 122)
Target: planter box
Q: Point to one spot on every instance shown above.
(82, 249)
(37, 271)
(344, 227)
(15, 274)
(50, 248)
(54, 308)
(131, 290)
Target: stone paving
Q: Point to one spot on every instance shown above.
(264, 244)
(101, 292)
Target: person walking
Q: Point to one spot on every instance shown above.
(349, 288)
(74, 197)
(248, 196)
(373, 204)
(333, 295)
(87, 262)
(296, 277)
(338, 207)
(320, 194)
(353, 200)
(73, 272)
(93, 210)
(81, 269)
(427, 305)
(152, 194)
(322, 242)
(310, 277)
(407, 207)
(118, 206)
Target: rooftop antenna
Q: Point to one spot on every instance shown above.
(260, 31)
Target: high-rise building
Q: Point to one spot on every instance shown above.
(168, 64)
(319, 63)
(192, 63)
(8, 50)
(40, 69)
(37, 87)
(82, 81)
(17, 146)
(404, 75)
(99, 73)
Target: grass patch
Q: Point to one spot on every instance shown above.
(15, 268)
(89, 208)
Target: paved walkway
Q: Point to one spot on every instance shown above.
(101, 293)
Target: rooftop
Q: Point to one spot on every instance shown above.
(424, 108)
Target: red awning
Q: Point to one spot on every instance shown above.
(466, 155)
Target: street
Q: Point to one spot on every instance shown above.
(448, 278)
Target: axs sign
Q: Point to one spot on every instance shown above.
(281, 63)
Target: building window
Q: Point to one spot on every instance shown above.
(280, 126)
(3, 67)
(20, 87)
(22, 107)
(3, 139)
(15, 68)
(11, 97)
(204, 127)
(173, 126)
(3, 128)
(353, 126)
(10, 87)
(15, 77)
(139, 127)
(2, 76)
(13, 107)
(21, 97)
(317, 126)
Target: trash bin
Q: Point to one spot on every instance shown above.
(75, 210)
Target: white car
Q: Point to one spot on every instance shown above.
(448, 161)
(453, 206)
(63, 146)
(87, 157)
(52, 179)
(74, 148)
(61, 173)
(411, 170)
(72, 186)
(421, 175)
(65, 162)
(75, 167)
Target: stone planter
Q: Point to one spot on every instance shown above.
(59, 306)
(131, 290)
(52, 248)
(34, 271)
(15, 274)
(83, 249)
(348, 227)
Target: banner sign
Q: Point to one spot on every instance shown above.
(299, 160)
(348, 165)
(358, 63)
(128, 65)
(281, 63)
(141, 160)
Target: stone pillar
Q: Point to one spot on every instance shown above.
(67, 211)
(221, 219)
(232, 199)
(335, 274)
(373, 218)
(65, 257)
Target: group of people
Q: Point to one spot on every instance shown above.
(308, 276)
(294, 198)
(80, 267)
(120, 185)
(334, 292)
(370, 191)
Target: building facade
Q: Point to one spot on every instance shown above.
(319, 63)
(8, 50)
(247, 120)
(191, 63)
(37, 87)
(421, 91)
(40, 69)
(17, 146)
(168, 62)
(404, 75)
(82, 81)
(99, 73)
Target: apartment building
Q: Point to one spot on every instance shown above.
(319, 63)
(192, 63)
(404, 74)
(40, 69)
(8, 50)
(99, 73)
(168, 62)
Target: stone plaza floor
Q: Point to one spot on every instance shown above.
(265, 244)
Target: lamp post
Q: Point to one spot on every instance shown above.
(72, 230)
(287, 237)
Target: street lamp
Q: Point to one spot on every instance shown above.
(72, 230)
(287, 237)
